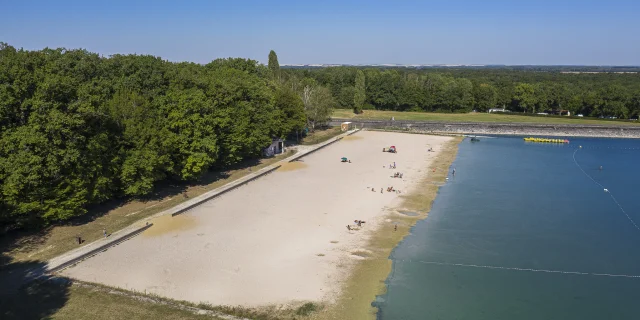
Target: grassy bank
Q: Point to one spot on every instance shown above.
(367, 277)
(58, 239)
(321, 135)
(475, 117)
(63, 300)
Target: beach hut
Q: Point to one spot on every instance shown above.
(346, 126)
(276, 147)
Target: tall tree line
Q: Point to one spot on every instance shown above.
(466, 89)
(78, 129)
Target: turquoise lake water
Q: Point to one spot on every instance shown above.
(521, 232)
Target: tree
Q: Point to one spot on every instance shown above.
(458, 94)
(485, 96)
(344, 99)
(525, 96)
(274, 66)
(615, 101)
(78, 129)
(292, 112)
(145, 159)
(360, 95)
(444, 89)
(318, 105)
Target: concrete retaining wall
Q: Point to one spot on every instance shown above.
(222, 190)
(560, 130)
(51, 268)
(329, 142)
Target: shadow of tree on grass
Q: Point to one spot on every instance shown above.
(26, 294)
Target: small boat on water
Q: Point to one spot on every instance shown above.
(545, 140)
(474, 139)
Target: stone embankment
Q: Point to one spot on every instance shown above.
(489, 128)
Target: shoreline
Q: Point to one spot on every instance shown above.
(366, 280)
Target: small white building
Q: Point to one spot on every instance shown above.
(276, 147)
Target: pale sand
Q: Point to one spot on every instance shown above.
(279, 239)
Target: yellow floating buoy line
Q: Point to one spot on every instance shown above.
(545, 140)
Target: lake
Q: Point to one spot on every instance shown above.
(523, 232)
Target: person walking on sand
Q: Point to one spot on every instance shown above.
(454, 172)
(349, 227)
(104, 232)
(395, 228)
(381, 190)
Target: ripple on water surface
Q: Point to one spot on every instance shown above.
(525, 232)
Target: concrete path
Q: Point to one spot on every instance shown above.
(88, 250)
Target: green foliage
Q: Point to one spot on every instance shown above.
(525, 95)
(79, 129)
(524, 89)
(318, 105)
(345, 100)
(485, 96)
(274, 66)
(359, 95)
(306, 309)
(291, 111)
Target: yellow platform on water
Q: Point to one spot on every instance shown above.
(545, 140)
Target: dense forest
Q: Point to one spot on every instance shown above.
(77, 128)
(529, 90)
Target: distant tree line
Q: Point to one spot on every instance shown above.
(465, 89)
(79, 129)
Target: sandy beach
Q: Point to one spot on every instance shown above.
(279, 239)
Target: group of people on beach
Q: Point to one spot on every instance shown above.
(389, 189)
(357, 223)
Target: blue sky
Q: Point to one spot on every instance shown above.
(355, 32)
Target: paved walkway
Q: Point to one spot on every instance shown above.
(118, 236)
